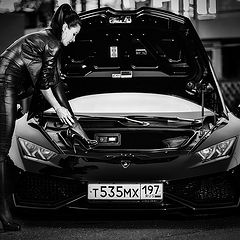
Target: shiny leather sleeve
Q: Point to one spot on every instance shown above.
(39, 53)
(49, 65)
(31, 56)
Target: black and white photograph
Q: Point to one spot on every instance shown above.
(119, 119)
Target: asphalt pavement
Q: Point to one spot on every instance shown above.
(123, 225)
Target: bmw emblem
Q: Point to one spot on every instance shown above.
(125, 163)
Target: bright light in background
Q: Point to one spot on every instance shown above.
(201, 6)
(212, 6)
(78, 6)
(159, 3)
(129, 4)
(188, 8)
(60, 2)
(186, 5)
(91, 4)
(116, 4)
(175, 6)
(206, 7)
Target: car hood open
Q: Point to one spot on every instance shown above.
(144, 51)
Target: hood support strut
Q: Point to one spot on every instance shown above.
(203, 89)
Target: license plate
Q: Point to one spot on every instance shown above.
(152, 191)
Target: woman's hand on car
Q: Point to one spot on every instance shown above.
(64, 115)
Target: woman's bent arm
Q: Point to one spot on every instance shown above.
(62, 112)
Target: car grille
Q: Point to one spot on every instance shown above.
(44, 191)
(205, 191)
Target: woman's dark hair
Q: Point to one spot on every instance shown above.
(64, 14)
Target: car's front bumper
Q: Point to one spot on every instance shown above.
(206, 192)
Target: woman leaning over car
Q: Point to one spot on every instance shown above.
(31, 62)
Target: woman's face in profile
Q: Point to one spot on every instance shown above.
(69, 34)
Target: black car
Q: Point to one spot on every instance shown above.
(140, 83)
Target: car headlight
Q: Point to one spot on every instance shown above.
(32, 150)
(219, 150)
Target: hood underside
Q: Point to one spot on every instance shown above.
(143, 51)
(147, 50)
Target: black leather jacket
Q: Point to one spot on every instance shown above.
(34, 56)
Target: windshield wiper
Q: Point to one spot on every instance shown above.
(144, 123)
(167, 119)
(119, 118)
(144, 119)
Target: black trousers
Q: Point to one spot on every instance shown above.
(9, 79)
(8, 113)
